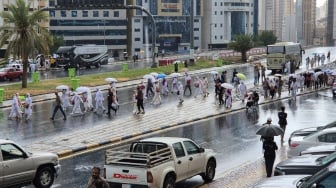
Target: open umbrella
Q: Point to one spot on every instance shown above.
(161, 75)
(83, 89)
(278, 75)
(214, 72)
(269, 130)
(177, 61)
(318, 73)
(175, 74)
(227, 85)
(111, 80)
(241, 76)
(149, 76)
(155, 74)
(61, 87)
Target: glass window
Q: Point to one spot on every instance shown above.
(10, 152)
(106, 13)
(328, 182)
(179, 152)
(95, 13)
(137, 30)
(85, 13)
(63, 13)
(137, 20)
(116, 14)
(74, 13)
(331, 138)
(52, 13)
(191, 147)
(137, 39)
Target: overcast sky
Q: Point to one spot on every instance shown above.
(320, 2)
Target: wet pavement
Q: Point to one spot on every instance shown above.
(157, 119)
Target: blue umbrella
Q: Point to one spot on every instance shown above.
(161, 75)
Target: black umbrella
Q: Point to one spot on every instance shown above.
(269, 130)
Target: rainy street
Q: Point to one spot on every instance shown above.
(230, 136)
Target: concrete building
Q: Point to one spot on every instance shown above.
(306, 21)
(331, 23)
(265, 17)
(34, 5)
(223, 19)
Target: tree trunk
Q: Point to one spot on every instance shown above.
(24, 76)
(244, 58)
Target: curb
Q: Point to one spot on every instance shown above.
(66, 153)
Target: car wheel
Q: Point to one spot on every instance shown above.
(169, 181)
(44, 177)
(5, 78)
(210, 171)
(97, 65)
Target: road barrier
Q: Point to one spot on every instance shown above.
(75, 83)
(36, 77)
(71, 73)
(2, 93)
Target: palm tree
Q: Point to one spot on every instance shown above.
(22, 31)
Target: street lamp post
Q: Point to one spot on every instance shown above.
(191, 53)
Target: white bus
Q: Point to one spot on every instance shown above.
(283, 52)
(82, 56)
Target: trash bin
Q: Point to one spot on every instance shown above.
(71, 72)
(75, 83)
(2, 93)
(36, 77)
(219, 62)
(176, 67)
(125, 67)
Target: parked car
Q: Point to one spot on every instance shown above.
(325, 178)
(307, 131)
(19, 167)
(319, 150)
(325, 136)
(306, 164)
(10, 73)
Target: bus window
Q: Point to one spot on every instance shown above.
(275, 49)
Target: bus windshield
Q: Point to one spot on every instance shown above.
(275, 49)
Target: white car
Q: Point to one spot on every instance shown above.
(298, 144)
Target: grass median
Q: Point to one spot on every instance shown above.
(48, 86)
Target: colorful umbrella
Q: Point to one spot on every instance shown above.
(161, 75)
(241, 76)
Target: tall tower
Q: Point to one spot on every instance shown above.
(308, 21)
(331, 23)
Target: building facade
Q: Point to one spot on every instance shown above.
(331, 23)
(223, 19)
(306, 21)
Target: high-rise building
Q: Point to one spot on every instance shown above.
(306, 21)
(331, 23)
(223, 19)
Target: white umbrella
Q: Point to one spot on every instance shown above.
(149, 76)
(83, 89)
(293, 75)
(111, 80)
(177, 61)
(175, 74)
(333, 73)
(318, 73)
(227, 85)
(214, 72)
(278, 75)
(61, 87)
(154, 74)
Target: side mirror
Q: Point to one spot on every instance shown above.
(201, 150)
(314, 185)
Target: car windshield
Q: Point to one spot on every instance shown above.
(330, 125)
(313, 179)
(3, 70)
(327, 159)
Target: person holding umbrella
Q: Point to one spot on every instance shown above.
(269, 147)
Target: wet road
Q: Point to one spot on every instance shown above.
(230, 136)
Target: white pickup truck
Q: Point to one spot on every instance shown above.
(19, 167)
(159, 162)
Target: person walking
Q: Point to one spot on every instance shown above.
(269, 147)
(282, 115)
(110, 103)
(198, 87)
(242, 91)
(174, 85)
(205, 85)
(65, 99)
(223, 77)
(77, 101)
(165, 90)
(28, 107)
(134, 101)
(15, 112)
(180, 92)
(150, 87)
(139, 98)
(99, 101)
(96, 181)
(58, 106)
(157, 98)
(187, 80)
(228, 98)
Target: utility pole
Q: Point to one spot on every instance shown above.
(191, 54)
